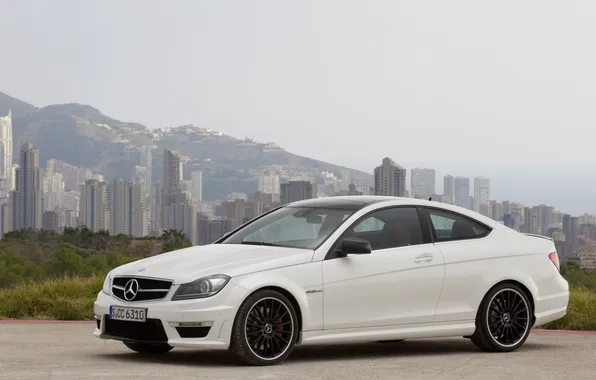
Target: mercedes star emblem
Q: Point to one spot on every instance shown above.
(131, 289)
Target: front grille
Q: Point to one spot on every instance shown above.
(149, 331)
(193, 332)
(147, 290)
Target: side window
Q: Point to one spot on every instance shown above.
(448, 226)
(369, 224)
(389, 228)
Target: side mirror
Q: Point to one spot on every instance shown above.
(354, 246)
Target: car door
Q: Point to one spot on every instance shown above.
(463, 243)
(398, 283)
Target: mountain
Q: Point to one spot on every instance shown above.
(81, 135)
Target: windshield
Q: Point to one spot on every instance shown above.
(295, 227)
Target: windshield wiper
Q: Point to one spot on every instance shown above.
(261, 243)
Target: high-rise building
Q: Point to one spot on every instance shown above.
(531, 225)
(172, 177)
(116, 202)
(422, 182)
(390, 179)
(53, 190)
(182, 216)
(93, 210)
(6, 177)
(156, 209)
(234, 211)
(296, 191)
(50, 221)
(481, 192)
(172, 174)
(269, 183)
(449, 188)
(571, 231)
(196, 179)
(497, 210)
(26, 201)
(126, 203)
(140, 176)
(461, 186)
(145, 162)
(545, 218)
(136, 206)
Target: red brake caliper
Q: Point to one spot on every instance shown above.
(279, 327)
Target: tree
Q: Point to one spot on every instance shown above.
(65, 262)
(173, 240)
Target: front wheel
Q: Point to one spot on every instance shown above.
(504, 320)
(265, 329)
(146, 348)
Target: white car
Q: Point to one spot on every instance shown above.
(339, 270)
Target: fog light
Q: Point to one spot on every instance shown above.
(191, 324)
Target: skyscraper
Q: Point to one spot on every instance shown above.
(145, 162)
(422, 182)
(93, 210)
(449, 188)
(481, 192)
(6, 180)
(196, 179)
(116, 202)
(182, 216)
(172, 175)
(462, 192)
(390, 179)
(296, 191)
(26, 201)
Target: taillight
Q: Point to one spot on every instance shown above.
(554, 258)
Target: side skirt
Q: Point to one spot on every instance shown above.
(373, 334)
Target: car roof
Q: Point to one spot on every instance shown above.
(349, 202)
(357, 202)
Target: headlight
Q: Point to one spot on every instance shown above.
(201, 288)
(107, 284)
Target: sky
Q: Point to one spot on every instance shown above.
(501, 89)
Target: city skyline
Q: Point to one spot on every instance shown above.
(40, 201)
(141, 174)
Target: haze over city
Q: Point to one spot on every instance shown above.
(500, 91)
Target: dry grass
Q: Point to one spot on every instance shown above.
(581, 314)
(69, 298)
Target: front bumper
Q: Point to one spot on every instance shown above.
(201, 323)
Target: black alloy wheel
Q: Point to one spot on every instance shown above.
(265, 329)
(504, 320)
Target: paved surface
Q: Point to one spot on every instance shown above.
(69, 351)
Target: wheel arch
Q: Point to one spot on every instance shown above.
(522, 286)
(290, 296)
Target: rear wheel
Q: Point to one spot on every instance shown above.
(265, 329)
(504, 319)
(147, 348)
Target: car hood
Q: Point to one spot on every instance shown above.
(189, 264)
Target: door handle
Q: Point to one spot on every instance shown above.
(427, 257)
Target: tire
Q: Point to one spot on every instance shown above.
(391, 341)
(265, 329)
(500, 325)
(146, 348)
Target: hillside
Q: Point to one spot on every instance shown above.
(83, 136)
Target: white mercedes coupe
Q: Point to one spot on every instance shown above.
(339, 270)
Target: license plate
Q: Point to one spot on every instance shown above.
(133, 314)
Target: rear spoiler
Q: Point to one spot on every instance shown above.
(539, 236)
